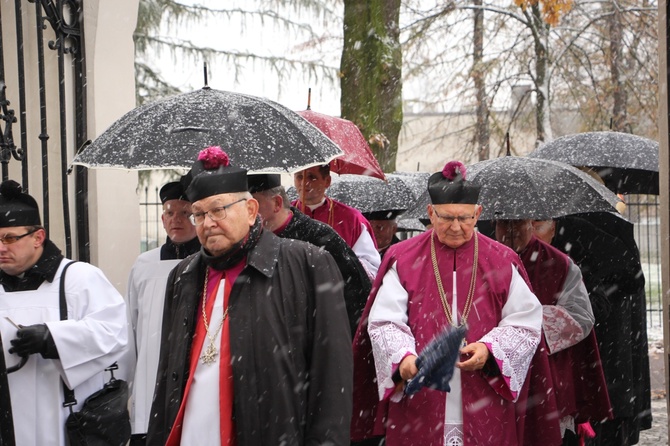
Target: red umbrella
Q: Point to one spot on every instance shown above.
(358, 159)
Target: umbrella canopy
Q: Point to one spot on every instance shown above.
(258, 135)
(368, 194)
(358, 159)
(517, 188)
(417, 183)
(628, 164)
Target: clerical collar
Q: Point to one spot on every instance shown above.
(314, 206)
(175, 251)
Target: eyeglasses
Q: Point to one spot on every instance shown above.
(215, 214)
(462, 219)
(9, 239)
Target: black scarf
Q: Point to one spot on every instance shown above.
(175, 251)
(237, 252)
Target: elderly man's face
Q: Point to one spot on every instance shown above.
(217, 237)
(22, 254)
(384, 231)
(454, 224)
(311, 185)
(175, 221)
(545, 230)
(514, 233)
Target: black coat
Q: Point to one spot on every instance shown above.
(604, 248)
(357, 284)
(291, 354)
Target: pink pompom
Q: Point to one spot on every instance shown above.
(452, 168)
(213, 158)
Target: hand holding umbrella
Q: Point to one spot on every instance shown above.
(436, 362)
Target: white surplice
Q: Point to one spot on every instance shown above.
(145, 300)
(94, 336)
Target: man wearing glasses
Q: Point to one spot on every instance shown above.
(447, 277)
(146, 294)
(255, 347)
(75, 351)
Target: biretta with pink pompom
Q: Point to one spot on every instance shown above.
(450, 186)
(212, 174)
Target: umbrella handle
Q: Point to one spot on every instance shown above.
(14, 368)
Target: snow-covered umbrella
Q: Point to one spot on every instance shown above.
(369, 194)
(628, 164)
(258, 134)
(517, 188)
(417, 183)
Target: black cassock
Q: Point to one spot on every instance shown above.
(290, 346)
(603, 246)
(357, 284)
(6, 420)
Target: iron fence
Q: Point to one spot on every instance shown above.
(643, 212)
(151, 209)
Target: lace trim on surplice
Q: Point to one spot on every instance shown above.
(390, 344)
(560, 328)
(513, 347)
(453, 434)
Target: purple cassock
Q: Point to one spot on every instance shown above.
(579, 380)
(504, 315)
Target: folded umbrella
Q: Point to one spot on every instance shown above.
(436, 362)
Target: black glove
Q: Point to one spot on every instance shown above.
(34, 339)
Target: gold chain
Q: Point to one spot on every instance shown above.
(440, 288)
(211, 351)
(330, 212)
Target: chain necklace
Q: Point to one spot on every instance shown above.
(440, 288)
(211, 352)
(330, 212)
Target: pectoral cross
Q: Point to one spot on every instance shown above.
(210, 354)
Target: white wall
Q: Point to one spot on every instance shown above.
(113, 199)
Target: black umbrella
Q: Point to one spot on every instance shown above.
(530, 188)
(258, 134)
(627, 163)
(436, 362)
(368, 194)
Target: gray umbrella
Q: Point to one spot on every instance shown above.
(417, 183)
(627, 163)
(530, 188)
(258, 134)
(368, 194)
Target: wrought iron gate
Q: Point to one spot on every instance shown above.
(42, 30)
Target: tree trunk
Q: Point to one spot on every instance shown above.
(482, 131)
(371, 74)
(619, 95)
(541, 80)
